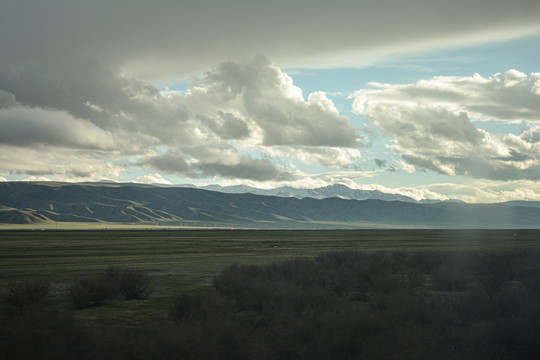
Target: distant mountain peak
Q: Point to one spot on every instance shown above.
(334, 190)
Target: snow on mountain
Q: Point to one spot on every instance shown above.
(336, 190)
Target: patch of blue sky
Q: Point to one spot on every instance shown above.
(488, 59)
(500, 127)
(177, 87)
(401, 178)
(162, 150)
(521, 54)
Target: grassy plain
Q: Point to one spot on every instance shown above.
(61, 255)
(181, 260)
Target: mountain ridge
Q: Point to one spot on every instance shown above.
(335, 190)
(37, 202)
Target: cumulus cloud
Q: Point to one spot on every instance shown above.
(477, 191)
(273, 106)
(225, 125)
(487, 191)
(431, 123)
(330, 157)
(37, 178)
(512, 96)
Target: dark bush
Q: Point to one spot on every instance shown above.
(22, 295)
(91, 292)
(130, 284)
(42, 334)
(133, 284)
(455, 305)
(204, 304)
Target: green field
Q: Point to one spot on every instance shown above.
(179, 261)
(425, 291)
(62, 255)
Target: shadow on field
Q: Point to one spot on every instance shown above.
(339, 305)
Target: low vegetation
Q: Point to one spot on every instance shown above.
(128, 283)
(21, 295)
(338, 305)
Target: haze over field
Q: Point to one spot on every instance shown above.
(429, 100)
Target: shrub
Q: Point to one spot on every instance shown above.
(91, 292)
(43, 334)
(133, 284)
(204, 304)
(21, 295)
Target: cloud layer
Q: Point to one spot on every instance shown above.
(79, 100)
(432, 123)
(230, 124)
(168, 37)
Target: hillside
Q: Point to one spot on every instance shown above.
(27, 202)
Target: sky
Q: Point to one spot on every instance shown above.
(429, 99)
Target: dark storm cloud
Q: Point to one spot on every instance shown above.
(22, 126)
(228, 165)
(247, 168)
(380, 163)
(171, 163)
(226, 125)
(189, 36)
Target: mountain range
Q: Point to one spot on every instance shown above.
(336, 190)
(43, 202)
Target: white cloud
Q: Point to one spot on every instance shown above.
(417, 193)
(329, 157)
(260, 94)
(58, 164)
(220, 127)
(478, 191)
(512, 96)
(155, 178)
(431, 123)
(93, 107)
(473, 192)
(37, 178)
(485, 191)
